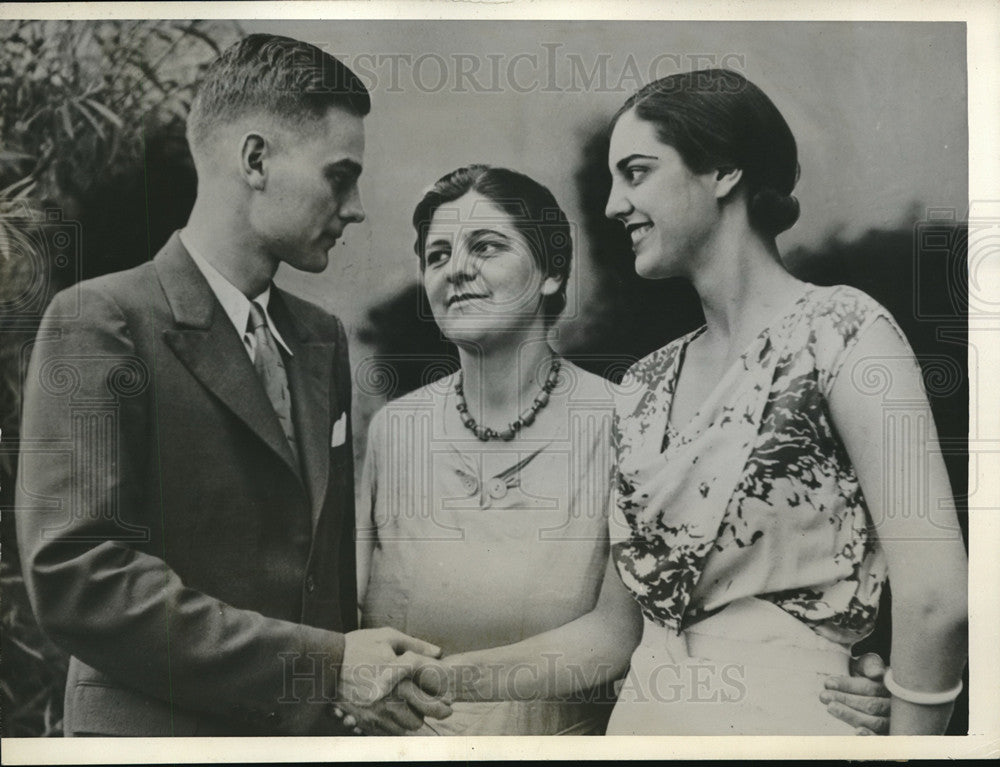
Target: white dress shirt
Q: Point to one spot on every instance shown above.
(235, 304)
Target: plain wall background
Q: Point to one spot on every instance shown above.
(879, 111)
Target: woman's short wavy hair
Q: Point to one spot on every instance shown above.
(532, 208)
(717, 119)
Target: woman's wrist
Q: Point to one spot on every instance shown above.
(448, 677)
(919, 697)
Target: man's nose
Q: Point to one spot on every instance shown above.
(352, 211)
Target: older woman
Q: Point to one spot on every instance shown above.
(488, 489)
(484, 528)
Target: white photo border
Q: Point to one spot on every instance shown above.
(982, 20)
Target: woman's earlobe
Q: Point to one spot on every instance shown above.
(726, 179)
(551, 285)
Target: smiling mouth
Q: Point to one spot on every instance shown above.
(452, 300)
(638, 232)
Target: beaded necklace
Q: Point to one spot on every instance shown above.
(525, 419)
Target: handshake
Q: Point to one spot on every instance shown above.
(377, 691)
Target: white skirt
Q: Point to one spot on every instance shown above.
(751, 669)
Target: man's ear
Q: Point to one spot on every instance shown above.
(726, 179)
(253, 160)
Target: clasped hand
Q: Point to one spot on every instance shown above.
(375, 692)
(382, 690)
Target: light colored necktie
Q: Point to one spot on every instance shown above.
(271, 369)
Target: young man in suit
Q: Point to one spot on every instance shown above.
(185, 495)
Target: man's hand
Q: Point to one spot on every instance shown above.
(861, 699)
(376, 660)
(399, 713)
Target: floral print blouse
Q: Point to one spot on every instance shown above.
(756, 496)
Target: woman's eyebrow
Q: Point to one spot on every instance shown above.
(488, 233)
(624, 162)
(440, 242)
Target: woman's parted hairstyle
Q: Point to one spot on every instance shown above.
(717, 119)
(532, 208)
(276, 75)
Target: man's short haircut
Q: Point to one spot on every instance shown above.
(275, 75)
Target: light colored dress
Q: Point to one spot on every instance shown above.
(749, 546)
(480, 544)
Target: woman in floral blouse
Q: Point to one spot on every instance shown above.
(768, 482)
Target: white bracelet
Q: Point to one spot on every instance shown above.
(918, 697)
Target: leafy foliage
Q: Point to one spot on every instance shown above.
(75, 98)
(84, 108)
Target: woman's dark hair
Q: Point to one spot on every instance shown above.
(532, 208)
(717, 119)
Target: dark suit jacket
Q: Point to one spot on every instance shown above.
(198, 577)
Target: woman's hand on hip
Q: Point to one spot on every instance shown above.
(861, 699)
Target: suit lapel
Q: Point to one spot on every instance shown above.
(310, 383)
(206, 343)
